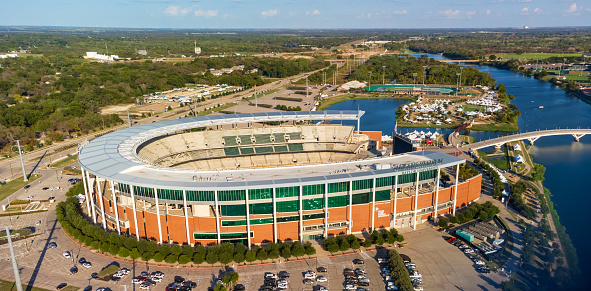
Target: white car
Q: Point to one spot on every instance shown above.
(479, 262)
(270, 275)
(156, 279)
(87, 265)
(67, 254)
(135, 281)
(350, 287)
(38, 222)
(467, 251)
(144, 286)
(309, 275)
(321, 279)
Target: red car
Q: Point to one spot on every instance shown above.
(452, 239)
(142, 278)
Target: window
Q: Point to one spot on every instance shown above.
(243, 222)
(143, 191)
(313, 189)
(288, 218)
(287, 192)
(170, 194)
(313, 216)
(361, 198)
(385, 181)
(231, 195)
(313, 204)
(338, 187)
(362, 184)
(338, 201)
(124, 188)
(261, 208)
(235, 235)
(383, 195)
(260, 194)
(233, 210)
(288, 206)
(428, 175)
(205, 236)
(200, 196)
(407, 178)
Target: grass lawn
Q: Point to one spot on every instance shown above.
(468, 107)
(216, 109)
(467, 139)
(536, 56)
(14, 185)
(64, 162)
(10, 286)
(495, 127)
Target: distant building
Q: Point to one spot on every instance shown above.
(5, 56)
(97, 56)
(142, 52)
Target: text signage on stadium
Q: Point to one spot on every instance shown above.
(418, 166)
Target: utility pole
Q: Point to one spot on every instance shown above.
(128, 120)
(17, 275)
(255, 96)
(384, 75)
(18, 145)
(414, 76)
(461, 69)
(307, 87)
(424, 73)
(369, 82)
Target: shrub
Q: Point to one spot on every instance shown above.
(134, 254)
(211, 258)
(355, 244)
(184, 259)
(238, 258)
(113, 249)
(262, 255)
(274, 254)
(442, 222)
(176, 250)
(123, 252)
(367, 243)
(286, 253)
(225, 257)
(198, 258)
(147, 256)
(111, 269)
(250, 256)
(380, 241)
(171, 259)
(344, 245)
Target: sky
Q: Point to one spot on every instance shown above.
(204, 14)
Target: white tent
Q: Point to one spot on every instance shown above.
(516, 147)
(519, 159)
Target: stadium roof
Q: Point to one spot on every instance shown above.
(113, 157)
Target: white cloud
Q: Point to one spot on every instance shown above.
(537, 10)
(269, 13)
(450, 13)
(206, 13)
(524, 1)
(572, 8)
(174, 10)
(398, 12)
(525, 10)
(316, 12)
(469, 14)
(488, 12)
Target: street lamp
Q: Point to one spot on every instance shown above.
(457, 82)
(18, 145)
(424, 72)
(384, 75)
(461, 69)
(414, 75)
(369, 85)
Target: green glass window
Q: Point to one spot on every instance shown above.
(170, 194)
(313, 204)
(205, 236)
(231, 195)
(260, 193)
(313, 189)
(288, 218)
(143, 191)
(361, 198)
(383, 195)
(407, 178)
(235, 235)
(200, 196)
(312, 216)
(288, 206)
(338, 187)
(233, 222)
(233, 210)
(385, 181)
(261, 221)
(261, 208)
(287, 192)
(338, 201)
(124, 188)
(362, 184)
(428, 175)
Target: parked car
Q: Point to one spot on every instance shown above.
(67, 254)
(74, 270)
(321, 279)
(61, 286)
(350, 287)
(27, 186)
(358, 262)
(321, 288)
(284, 274)
(308, 281)
(322, 269)
(270, 275)
(45, 188)
(88, 288)
(239, 287)
(87, 265)
(38, 222)
(82, 260)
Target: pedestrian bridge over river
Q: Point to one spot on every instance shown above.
(531, 136)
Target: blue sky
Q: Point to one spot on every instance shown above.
(297, 13)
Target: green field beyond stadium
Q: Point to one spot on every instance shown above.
(411, 88)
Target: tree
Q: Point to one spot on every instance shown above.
(380, 241)
(164, 250)
(355, 244)
(454, 219)
(286, 253)
(442, 222)
(344, 245)
(171, 258)
(225, 257)
(297, 249)
(262, 255)
(238, 258)
(212, 258)
(538, 172)
(492, 57)
(188, 251)
(176, 250)
(274, 254)
(123, 252)
(198, 258)
(158, 257)
(367, 243)
(134, 254)
(250, 256)
(333, 248)
(146, 256)
(184, 259)
(113, 249)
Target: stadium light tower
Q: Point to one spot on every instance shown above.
(369, 85)
(17, 275)
(457, 82)
(384, 75)
(20, 153)
(414, 81)
(424, 72)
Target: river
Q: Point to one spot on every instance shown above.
(565, 160)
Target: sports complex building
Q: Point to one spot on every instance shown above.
(412, 89)
(236, 177)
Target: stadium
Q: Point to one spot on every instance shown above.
(260, 177)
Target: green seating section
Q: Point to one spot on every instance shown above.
(295, 135)
(280, 148)
(230, 140)
(245, 139)
(246, 151)
(231, 151)
(296, 147)
(264, 150)
(279, 137)
(262, 138)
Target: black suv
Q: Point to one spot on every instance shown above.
(321, 270)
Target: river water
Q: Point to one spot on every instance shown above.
(566, 161)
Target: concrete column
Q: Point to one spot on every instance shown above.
(100, 197)
(436, 196)
(456, 188)
(395, 197)
(90, 194)
(186, 218)
(414, 225)
(274, 216)
(158, 215)
(137, 231)
(301, 214)
(217, 219)
(248, 219)
(325, 210)
(350, 206)
(86, 192)
(115, 207)
(373, 204)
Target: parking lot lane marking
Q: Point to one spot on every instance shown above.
(365, 255)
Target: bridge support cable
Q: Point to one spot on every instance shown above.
(578, 136)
